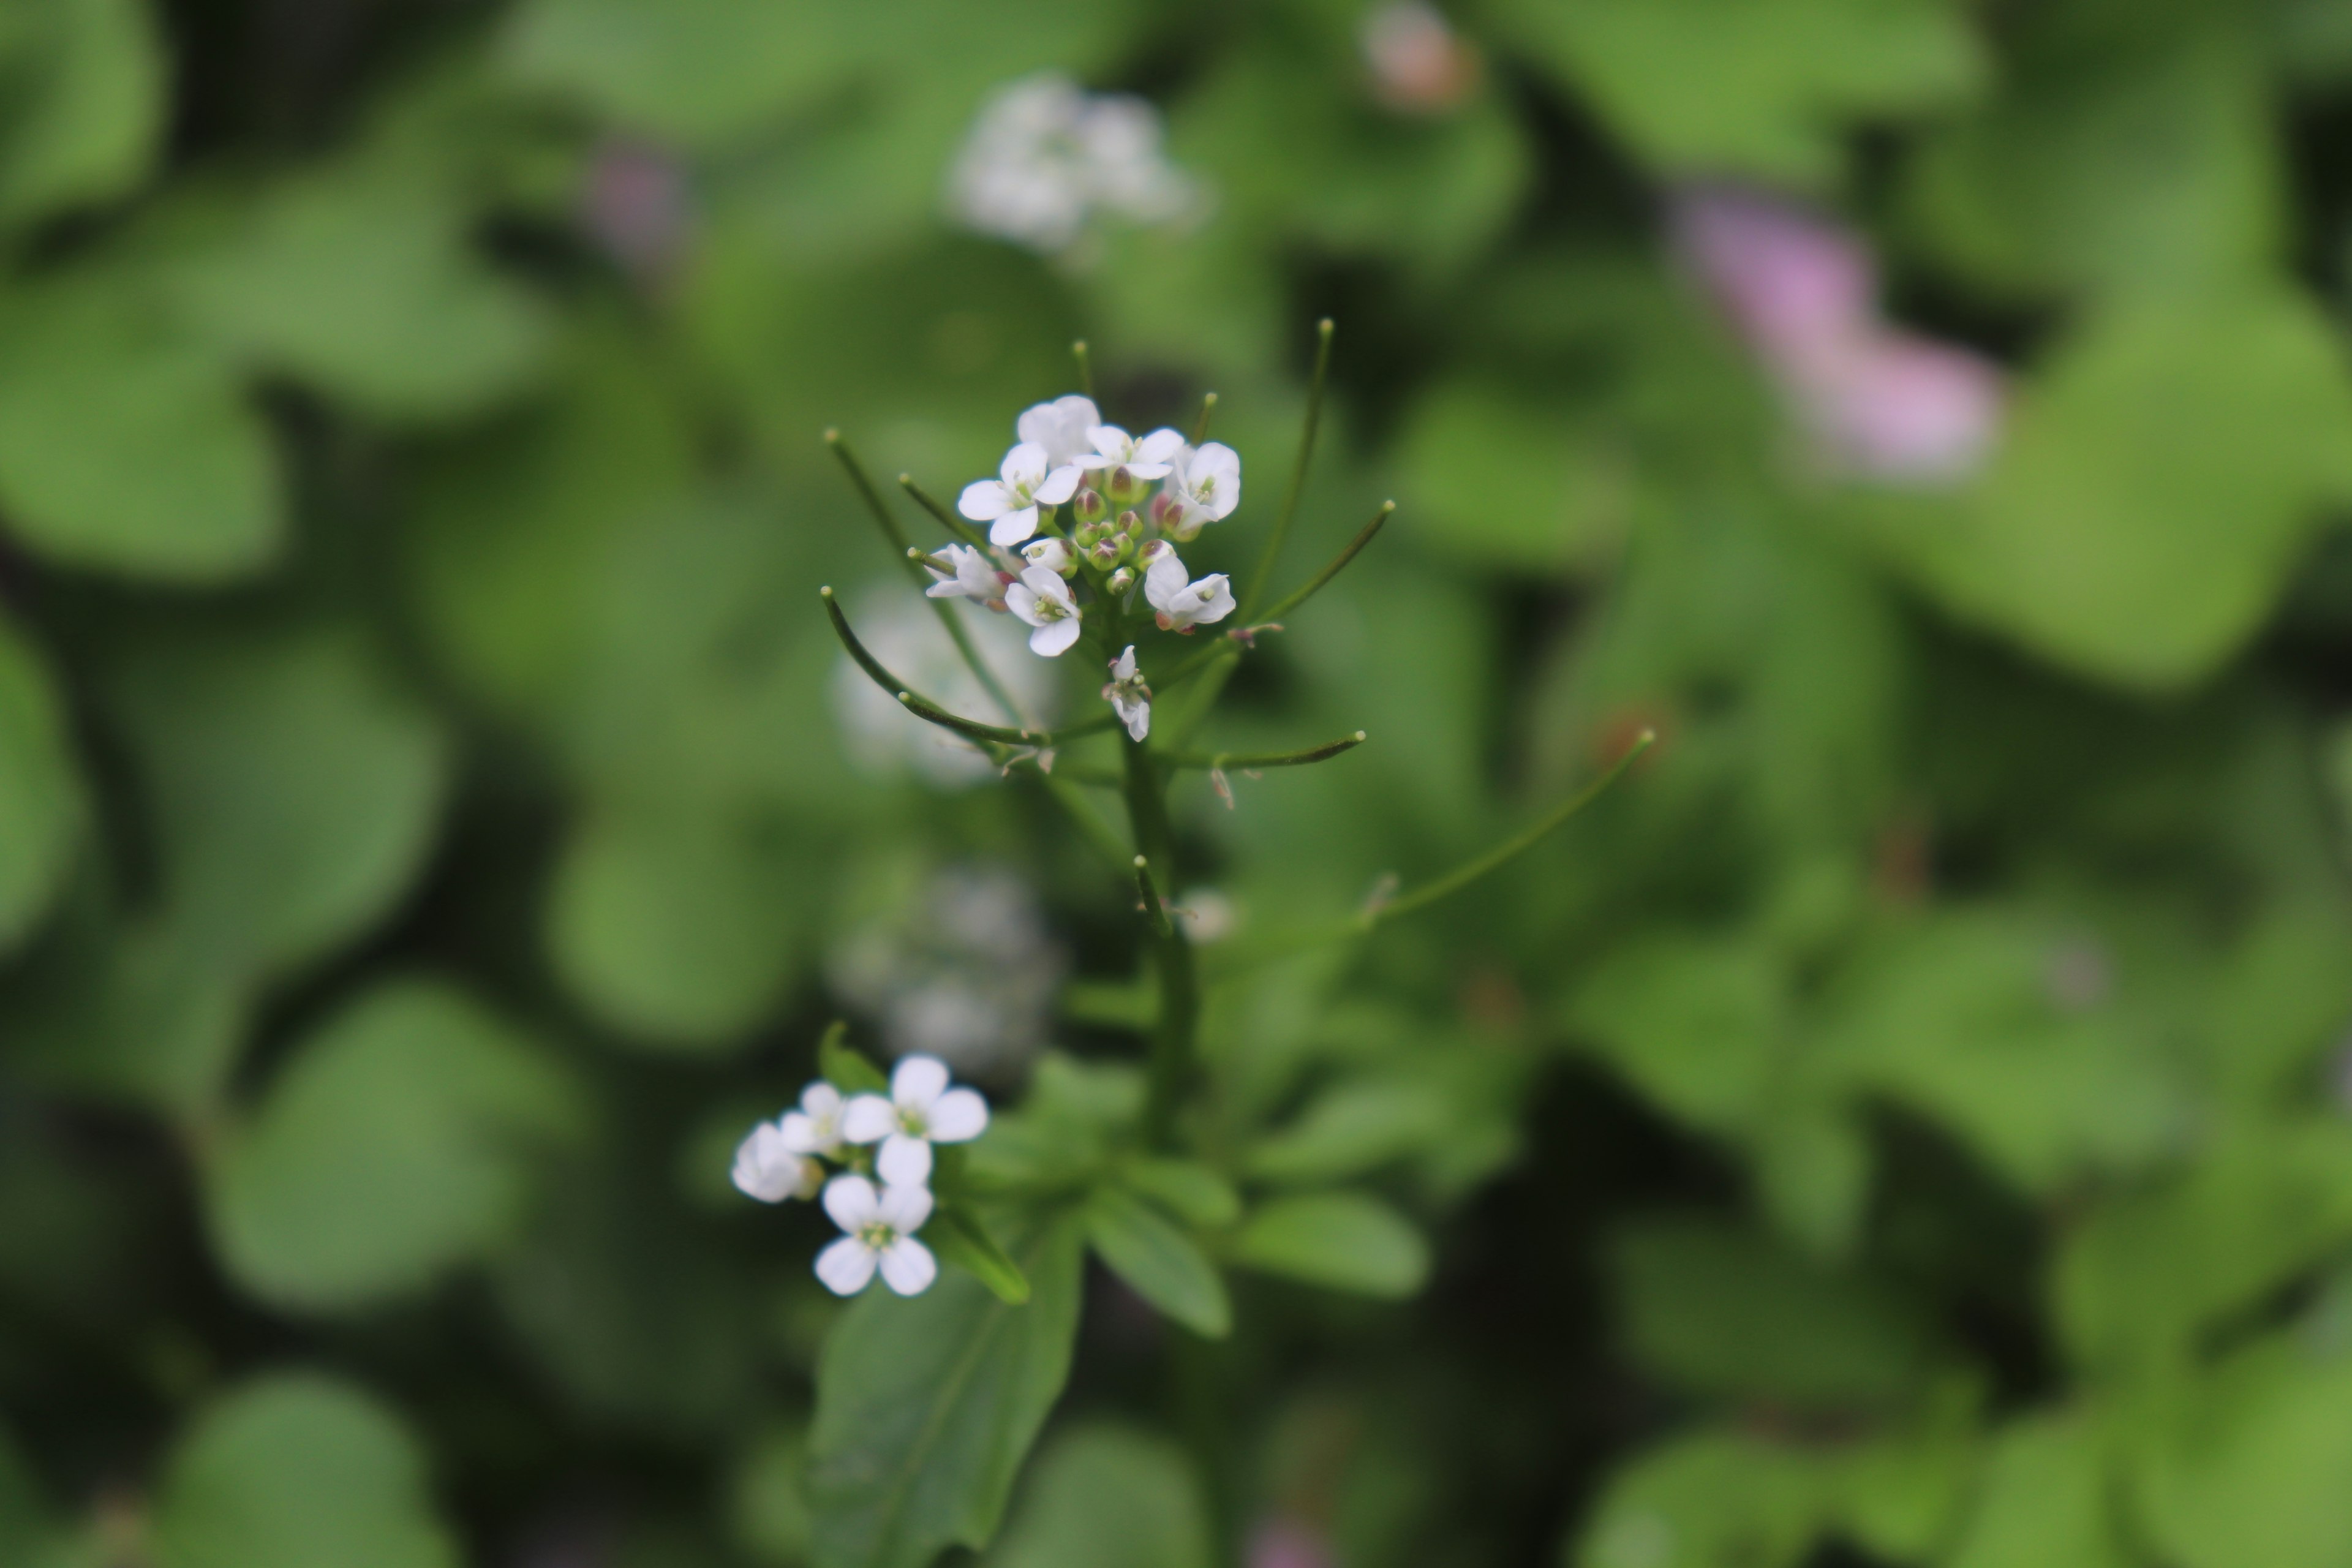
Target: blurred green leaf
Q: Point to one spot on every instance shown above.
(1698, 1023)
(41, 807)
(1108, 1497)
(1357, 1126)
(2046, 1501)
(1342, 1241)
(1157, 1261)
(1711, 1499)
(2247, 1473)
(1185, 1188)
(83, 82)
(1489, 475)
(1722, 1310)
(90, 371)
(960, 1237)
(399, 1143)
(927, 1407)
(296, 1470)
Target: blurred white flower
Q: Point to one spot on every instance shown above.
(922, 1109)
(1203, 487)
(1043, 599)
(880, 1234)
(964, 970)
(1877, 402)
(1128, 696)
(1044, 157)
(975, 576)
(1009, 502)
(815, 1127)
(1061, 427)
(902, 632)
(1150, 458)
(1417, 62)
(1181, 603)
(1210, 916)
(767, 1167)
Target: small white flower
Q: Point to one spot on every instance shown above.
(769, 1168)
(921, 1111)
(1184, 604)
(815, 1127)
(1009, 504)
(1045, 158)
(1061, 427)
(1128, 696)
(1043, 599)
(880, 1228)
(1151, 457)
(1205, 487)
(975, 577)
(1052, 554)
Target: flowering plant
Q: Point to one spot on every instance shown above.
(1084, 524)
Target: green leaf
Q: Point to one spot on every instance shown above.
(1356, 1126)
(1185, 1188)
(1710, 1499)
(1728, 86)
(1340, 1241)
(1108, 1497)
(298, 1470)
(1492, 476)
(957, 1235)
(1159, 1261)
(2248, 1472)
(927, 1407)
(1728, 1311)
(1696, 1022)
(41, 809)
(400, 1142)
(2045, 1501)
(127, 446)
(84, 105)
(846, 1066)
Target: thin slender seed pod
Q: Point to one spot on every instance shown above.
(1263, 573)
(1085, 366)
(924, 708)
(1314, 584)
(1323, 752)
(947, 519)
(1201, 424)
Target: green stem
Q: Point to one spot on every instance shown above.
(1266, 557)
(948, 519)
(922, 707)
(1261, 759)
(1173, 1044)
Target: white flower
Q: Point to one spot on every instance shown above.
(1062, 427)
(1129, 697)
(1150, 458)
(815, 1127)
(1184, 604)
(1043, 599)
(881, 1229)
(1045, 156)
(975, 576)
(1009, 504)
(921, 1111)
(769, 1168)
(1205, 487)
(1052, 554)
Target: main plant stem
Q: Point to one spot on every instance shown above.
(1172, 1035)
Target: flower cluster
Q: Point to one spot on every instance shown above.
(1046, 156)
(1131, 500)
(870, 1136)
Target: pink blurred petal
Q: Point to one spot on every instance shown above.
(1907, 408)
(1280, 1543)
(1792, 283)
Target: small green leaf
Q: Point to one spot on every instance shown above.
(1343, 1241)
(1108, 1497)
(846, 1066)
(40, 790)
(298, 1470)
(1711, 1499)
(1159, 1261)
(927, 1407)
(84, 108)
(1353, 1128)
(1186, 1188)
(959, 1236)
(2045, 1501)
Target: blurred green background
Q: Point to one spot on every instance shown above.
(1908, 1121)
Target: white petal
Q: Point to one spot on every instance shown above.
(918, 1080)
(1150, 470)
(908, 1267)
(1012, 527)
(1046, 583)
(1162, 445)
(801, 1134)
(958, 1116)
(851, 1201)
(1165, 580)
(868, 1119)
(945, 588)
(1022, 600)
(1139, 721)
(984, 500)
(1054, 640)
(1024, 465)
(761, 1170)
(821, 1100)
(846, 1267)
(1059, 486)
(1113, 443)
(905, 1160)
(904, 1208)
(1217, 602)
(1123, 668)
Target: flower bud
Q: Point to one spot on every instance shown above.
(1153, 552)
(1125, 489)
(1122, 579)
(1089, 506)
(1104, 552)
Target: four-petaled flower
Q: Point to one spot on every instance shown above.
(1204, 487)
(975, 577)
(1043, 599)
(1150, 458)
(815, 1127)
(1128, 696)
(880, 1234)
(769, 1168)
(921, 1111)
(1184, 604)
(1009, 504)
(1061, 428)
